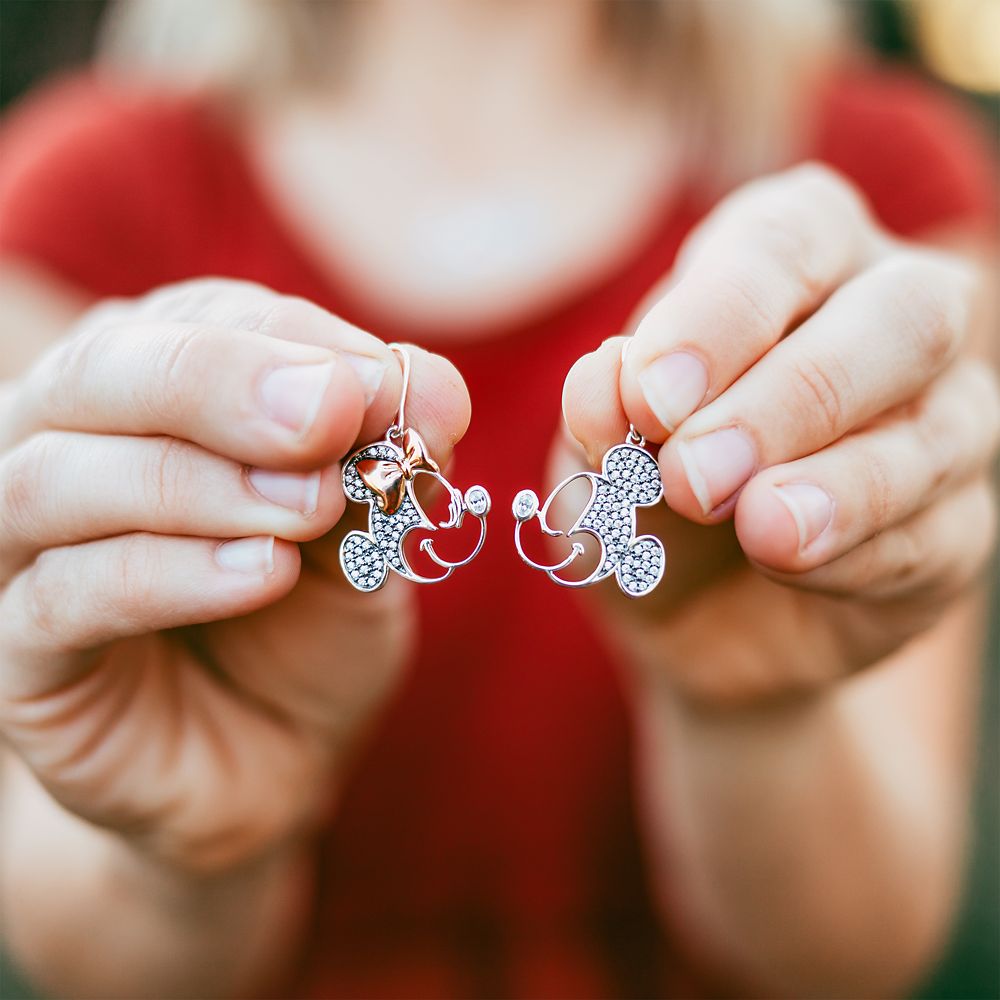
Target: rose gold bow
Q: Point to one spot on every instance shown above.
(387, 478)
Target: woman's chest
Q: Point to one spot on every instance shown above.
(453, 238)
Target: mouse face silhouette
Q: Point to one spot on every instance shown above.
(382, 475)
(629, 478)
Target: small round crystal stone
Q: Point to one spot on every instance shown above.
(525, 505)
(477, 500)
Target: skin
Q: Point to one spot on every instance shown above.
(802, 711)
(846, 663)
(229, 751)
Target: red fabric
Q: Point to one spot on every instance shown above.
(487, 845)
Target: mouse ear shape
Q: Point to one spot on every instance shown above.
(362, 562)
(641, 566)
(634, 471)
(354, 487)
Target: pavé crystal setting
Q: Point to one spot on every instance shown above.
(629, 478)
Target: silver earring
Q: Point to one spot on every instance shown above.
(382, 475)
(629, 478)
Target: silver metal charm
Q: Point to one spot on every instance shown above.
(382, 475)
(629, 478)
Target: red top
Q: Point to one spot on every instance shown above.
(487, 845)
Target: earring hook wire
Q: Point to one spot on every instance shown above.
(633, 436)
(399, 424)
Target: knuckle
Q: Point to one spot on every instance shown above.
(65, 369)
(938, 450)
(927, 308)
(822, 388)
(46, 596)
(279, 316)
(179, 358)
(799, 261)
(880, 490)
(787, 244)
(784, 220)
(201, 299)
(22, 485)
(743, 304)
(935, 555)
(770, 219)
(131, 578)
(163, 476)
(955, 425)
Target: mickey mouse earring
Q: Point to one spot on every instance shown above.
(382, 475)
(629, 478)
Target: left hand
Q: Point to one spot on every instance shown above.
(828, 433)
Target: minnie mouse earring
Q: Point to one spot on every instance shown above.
(629, 478)
(382, 475)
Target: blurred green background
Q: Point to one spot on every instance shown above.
(39, 37)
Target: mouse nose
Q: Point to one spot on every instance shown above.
(477, 500)
(525, 505)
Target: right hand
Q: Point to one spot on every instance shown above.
(171, 668)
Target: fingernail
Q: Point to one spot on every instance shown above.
(673, 385)
(811, 508)
(717, 465)
(247, 555)
(370, 372)
(294, 490)
(292, 395)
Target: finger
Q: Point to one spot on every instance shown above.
(876, 343)
(798, 516)
(933, 555)
(437, 394)
(256, 399)
(591, 405)
(74, 599)
(60, 488)
(437, 404)
(768, 256)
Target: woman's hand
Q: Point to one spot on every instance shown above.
(828, 440)
(180, 658)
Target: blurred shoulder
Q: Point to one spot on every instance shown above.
(920, 153)
(91, 115)
(100, 181)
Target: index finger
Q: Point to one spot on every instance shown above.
(766, 258)
(252, 398)
(293, 387)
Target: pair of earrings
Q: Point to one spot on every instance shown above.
(382, 476)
